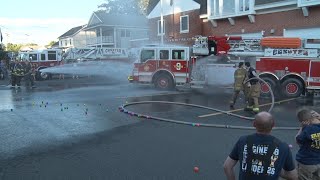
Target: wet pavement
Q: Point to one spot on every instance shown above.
(72, 129)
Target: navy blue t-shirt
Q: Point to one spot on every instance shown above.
(309, 141)
(250, 75)
(267, 154)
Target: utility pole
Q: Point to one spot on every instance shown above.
(161, 22)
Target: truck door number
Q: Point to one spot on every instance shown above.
(178, 66)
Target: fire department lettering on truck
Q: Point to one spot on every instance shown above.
(292, 52)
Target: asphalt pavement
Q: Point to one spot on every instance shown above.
(72, 129)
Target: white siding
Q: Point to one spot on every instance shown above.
(79, 40)
(307, 33)
(177, 7)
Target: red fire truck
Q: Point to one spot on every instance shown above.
(41, 59)
(291, 66)
(163, 66)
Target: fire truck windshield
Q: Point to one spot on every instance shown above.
(147, 54)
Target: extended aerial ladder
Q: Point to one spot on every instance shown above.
(266, 46)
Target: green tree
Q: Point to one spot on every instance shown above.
(51, 43)
(3, 53)
(143, 5)
(13, 47)
(124, 6)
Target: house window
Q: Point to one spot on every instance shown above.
(184, 24)
(65, 43)
(233, 8)
(159, 28)
(70, 42)
(244, 5)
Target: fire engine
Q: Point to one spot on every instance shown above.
(163, 66)
(41, 59)
(290, 66)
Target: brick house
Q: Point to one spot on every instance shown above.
(248, 18)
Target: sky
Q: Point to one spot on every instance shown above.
(42, 21)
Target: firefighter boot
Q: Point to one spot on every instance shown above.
(130, 78)
(256, 110)
(248, 108)
(231, 104)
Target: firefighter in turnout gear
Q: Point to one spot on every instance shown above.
(240, 76)
(17, 73)
(29, 70)
(254, 92)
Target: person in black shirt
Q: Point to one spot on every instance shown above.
(261, 155)
(254, 92)
(308, 138)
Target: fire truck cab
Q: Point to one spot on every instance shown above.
(163, 66)
(41, 59)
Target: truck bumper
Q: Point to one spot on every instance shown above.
(130, 79)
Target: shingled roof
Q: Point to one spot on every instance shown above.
(72, 31)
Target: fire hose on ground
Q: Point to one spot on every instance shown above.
(124, 110)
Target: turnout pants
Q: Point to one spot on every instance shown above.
(236, 95)
(16, 80)
(29, 80)
(254, 95)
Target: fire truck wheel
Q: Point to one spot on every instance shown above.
(265, 91)
(163, 82)
(291, 88)
(40, 76)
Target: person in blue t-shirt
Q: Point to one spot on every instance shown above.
(261, 155)
(308, 138)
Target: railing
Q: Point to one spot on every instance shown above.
(277, 4)
(100, 40)
(302, 3)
